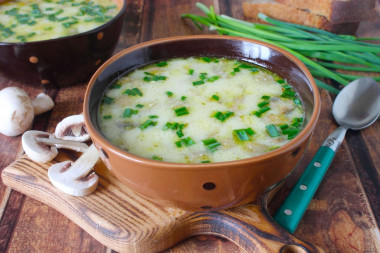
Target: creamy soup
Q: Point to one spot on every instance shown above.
(200, 110)
(33, 20)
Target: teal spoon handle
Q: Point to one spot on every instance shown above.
(291, 211)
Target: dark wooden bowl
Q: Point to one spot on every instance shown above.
(63, 61)
(200, 187)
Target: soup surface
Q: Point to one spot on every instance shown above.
(33, 20)
(200, 110)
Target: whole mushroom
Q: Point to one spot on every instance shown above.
(18, 110)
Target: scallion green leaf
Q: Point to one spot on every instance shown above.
(272, 130)
(181, 111)
(147, 123)
(212, 144)
(222, 116)
(243, 134)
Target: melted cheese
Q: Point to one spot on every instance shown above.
(33, 20)
(229, 87)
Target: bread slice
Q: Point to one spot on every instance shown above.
(294, 15)
(336, 11)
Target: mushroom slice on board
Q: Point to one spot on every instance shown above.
(72, 128)
(37, 151)
(42, 146)
(78, 178)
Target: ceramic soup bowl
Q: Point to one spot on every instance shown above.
(203, 186)
(62, 61)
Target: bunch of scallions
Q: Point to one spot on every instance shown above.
(324, 53)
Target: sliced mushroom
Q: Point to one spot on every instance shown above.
(78, 178)
(72, 128)
(42, 146)
(18, 110)
(37, 151)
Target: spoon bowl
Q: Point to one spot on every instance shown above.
(357, 105)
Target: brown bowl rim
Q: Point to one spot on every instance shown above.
(85, 33)
(306, 131)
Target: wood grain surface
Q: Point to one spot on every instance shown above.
(343, 216)
(124, 221)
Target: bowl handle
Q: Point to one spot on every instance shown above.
(250, 227)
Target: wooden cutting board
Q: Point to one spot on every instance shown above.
(124, 221)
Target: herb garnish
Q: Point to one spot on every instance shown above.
(152, 77)
(147, 123)
(272, 130)
(244, 134)
(222, 116)
(181, 111)
(211, 143)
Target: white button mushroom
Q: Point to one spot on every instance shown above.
(36, 151)
(42, 146)
(72, 128)
(78, 178)
(18, 110)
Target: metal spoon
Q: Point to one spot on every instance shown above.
(356, 107)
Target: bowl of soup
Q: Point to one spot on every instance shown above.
(201, 122)
(57, 42)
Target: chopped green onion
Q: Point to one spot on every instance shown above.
(291, 131)
(297, 122)
(179, 133)
(183, 98)
(272, 130)
(152, 77)
(259, 112)
(162, 64)
(185, 141)
(222, 116)
(212, 79)
(107, 117)
(206, 59)
(284, 126)
(262, 104)
(181, 111)
(139, 106)
(215, 97)
(147, 123)
(108, 100)
(169, 93)
(265, 97)
(198, 82)
(128, 112)
(158, 158)
(203, 76)
(243, 134)
(153, 116)
(205, 161)
(191, 71)
(288, 94)
(297, 101)
(212, 144)
(244, 66)
(133, 92)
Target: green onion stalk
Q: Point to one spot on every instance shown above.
(321, 51)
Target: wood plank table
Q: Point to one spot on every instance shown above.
(343, 216)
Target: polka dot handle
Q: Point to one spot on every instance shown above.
(291, 211)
